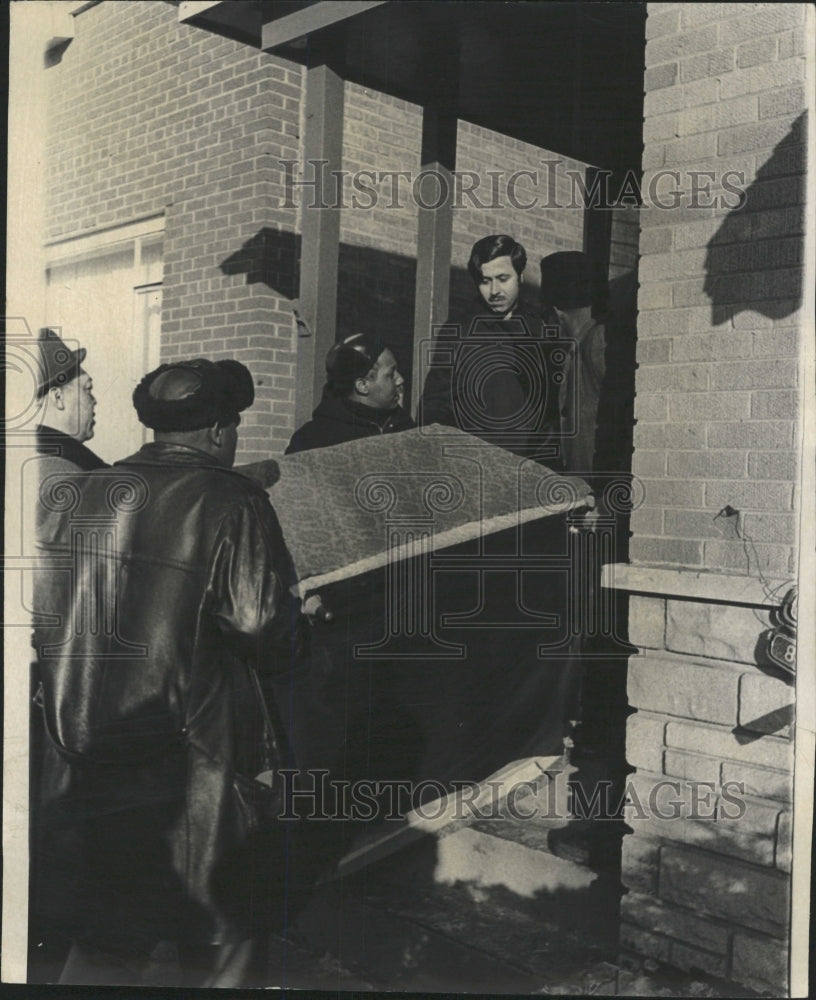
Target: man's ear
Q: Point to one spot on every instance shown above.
(215, 435)
(57, 397)
(361, 386)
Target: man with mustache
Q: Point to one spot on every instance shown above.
(489, 373)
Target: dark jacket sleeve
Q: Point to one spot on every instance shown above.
(248, 591)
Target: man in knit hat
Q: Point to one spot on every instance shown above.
(362, 396)
(150, 703)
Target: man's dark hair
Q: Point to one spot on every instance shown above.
(489, 248)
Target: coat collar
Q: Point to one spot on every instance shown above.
(170, 453)
(349, 411)
(53, 442)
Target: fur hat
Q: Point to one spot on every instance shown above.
(189, 395)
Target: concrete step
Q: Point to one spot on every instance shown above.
(539, 820)
(434, 818)
(544, 802)
(457, 937)
(493, 890)
(575, 815)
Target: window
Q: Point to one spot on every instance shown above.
(105, 291)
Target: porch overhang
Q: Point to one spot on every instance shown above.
(533, 71)
(536, 72)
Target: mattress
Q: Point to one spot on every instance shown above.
(354, 507)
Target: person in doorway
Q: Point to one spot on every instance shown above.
(575, 289)
(595, 407)
(489, 371)
(362, 396)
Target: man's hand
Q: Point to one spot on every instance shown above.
(315, 610)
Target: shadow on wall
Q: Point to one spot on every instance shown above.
(375, 292)
(755, 259)
(272, 258)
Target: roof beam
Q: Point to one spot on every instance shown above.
(287, 29)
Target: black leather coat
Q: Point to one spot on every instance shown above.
(175, 586)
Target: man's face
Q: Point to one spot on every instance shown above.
(79, 401)
(500, 285)
(384, 384)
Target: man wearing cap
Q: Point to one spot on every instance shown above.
(489, 373)
(596, 401)
(574, 287)
(151, 706)
(66, 421)
(65, 394)
(362, 396)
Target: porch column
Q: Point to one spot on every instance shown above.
(322, 152)
(434, 228)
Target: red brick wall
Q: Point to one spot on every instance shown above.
(717, 395)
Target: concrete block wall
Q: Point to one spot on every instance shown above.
(710, 803)
(721, 285)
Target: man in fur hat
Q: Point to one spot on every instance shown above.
(179, 592)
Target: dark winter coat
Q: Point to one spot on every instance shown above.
(337, 420)
(494, 378)
(64, 453)
(177, 586)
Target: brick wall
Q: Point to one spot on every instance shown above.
(721, 289)
(147, 117)
(378, 237)
(150, 117)
(708, 863)
(502, 186)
